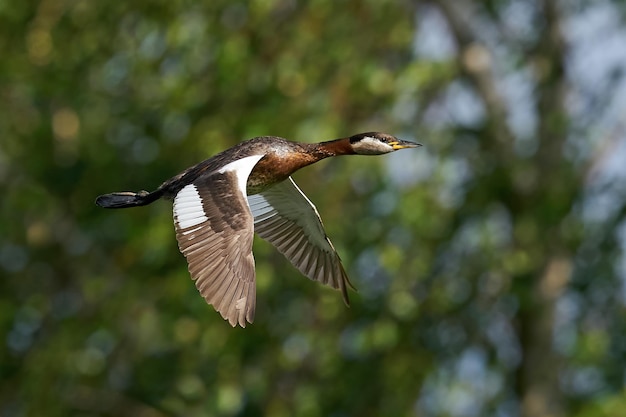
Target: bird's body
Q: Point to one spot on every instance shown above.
(221, 202)
(280, 159)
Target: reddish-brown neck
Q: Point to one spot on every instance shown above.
(335, 147)
(277, 166)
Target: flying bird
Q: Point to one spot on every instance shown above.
(221, 202)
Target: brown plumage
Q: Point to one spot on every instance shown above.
(220, 203)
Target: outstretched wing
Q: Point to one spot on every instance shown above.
(287, 219)
(215, 230)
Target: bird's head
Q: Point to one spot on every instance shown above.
(377, 143)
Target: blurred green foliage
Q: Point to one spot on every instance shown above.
(461, 250)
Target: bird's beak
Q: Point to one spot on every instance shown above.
(402, 144)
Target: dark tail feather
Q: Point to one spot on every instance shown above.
(127, 199)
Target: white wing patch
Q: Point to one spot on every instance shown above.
(243, 167)
(188, 209)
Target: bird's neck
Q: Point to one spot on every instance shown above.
(277, 166)
(333, 148)
(310, 153)
(314, 152)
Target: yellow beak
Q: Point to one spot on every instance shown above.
(402, 144)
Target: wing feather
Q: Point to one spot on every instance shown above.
(287, 219)
(214, 229)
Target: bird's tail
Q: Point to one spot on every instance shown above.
(127, 199)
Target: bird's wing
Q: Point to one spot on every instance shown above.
(287, 219)
(215, 230)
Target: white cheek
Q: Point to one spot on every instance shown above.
(371, 146)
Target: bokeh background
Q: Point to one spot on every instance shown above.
(490, 262)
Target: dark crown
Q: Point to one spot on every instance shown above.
(383, 137)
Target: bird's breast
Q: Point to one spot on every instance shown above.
(258, 182)
(274, 168)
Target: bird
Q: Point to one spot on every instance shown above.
(221, 202)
